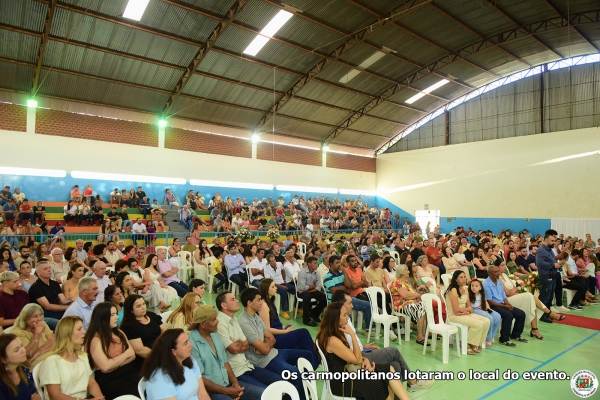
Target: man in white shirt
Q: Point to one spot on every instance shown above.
(111, 253)
(324, 267)
(60, 267)
(121, 249)
(257, 267)
(236, 222)
(99, 274)
(387, 355)
(140, 232)
(324, 224)
(274, 270)
(290, 266)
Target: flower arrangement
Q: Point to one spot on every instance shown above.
(521, 284)
(533, 281)
(273, 234)
(243, 234)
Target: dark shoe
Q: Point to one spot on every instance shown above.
(546, 318)
(508, 343)
(310, 323)
(537, 337)
(520, 339)
(316, 319)
(422, 342)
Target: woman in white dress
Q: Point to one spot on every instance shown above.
(523, 301)
(169, 293)
(174, 250)
(146, 288)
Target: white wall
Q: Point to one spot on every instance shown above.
(69, 154)
(497, 178)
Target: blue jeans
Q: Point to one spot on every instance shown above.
(507, 318)
(26, 217)
(240, 279)
(259, 377)
(251, 392)
(287, 359)
(125, 223)
(255, 282)
(51, 322)
(547, 289)
(495, 320)
(180, 287)
(285, 301)
(365, 307)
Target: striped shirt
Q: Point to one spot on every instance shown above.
(331, 281)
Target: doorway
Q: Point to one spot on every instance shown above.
(424, 217)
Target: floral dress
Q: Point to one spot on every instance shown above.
(412, 308)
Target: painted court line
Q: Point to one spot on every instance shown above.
(485, 396)
(514, 355)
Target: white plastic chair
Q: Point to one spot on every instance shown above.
(569, 292)
(298, 299)
(127, 397)
(434, 284)
(301, 248)
(142, 385)
(310, 386)
(36, 378)
(406, 320)
(395, 256)
(446, 279)
(186, 266)
(326, 394)
(233, 288)
(276, 389)
(249, 274)
(382, 317)
(442, 328)
(165, 316)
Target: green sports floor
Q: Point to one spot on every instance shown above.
(566, 348)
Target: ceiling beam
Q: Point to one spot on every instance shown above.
(574, 28)
(504, 37)
(461, 23)
(416, 35)
(235, 9)
(42, 48)
(511, 19)
(340, 50)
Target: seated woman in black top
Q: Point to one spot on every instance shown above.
(141, 327)
(16, 381)
(111, 356)
(288, 337)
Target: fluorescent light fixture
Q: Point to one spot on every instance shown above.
(555, 160)
(31, 103)
(127, 178)
(237, 185)
(358, 192)
(255, 138)
(306, 189)
(135, 9)
(427, 91)
(415, 98)
(52, 173)
(162, 123)
(268, 31)
(364, 65)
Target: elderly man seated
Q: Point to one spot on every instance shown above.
(48, 294)
(85, 303)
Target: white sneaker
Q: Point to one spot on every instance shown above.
(563, 309)
(554, 309)
(420, 385)
(393, 335)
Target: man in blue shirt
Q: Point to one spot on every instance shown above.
(85, 303)
(236, 267)
(548, 270)
(494, 293)
(208, 350)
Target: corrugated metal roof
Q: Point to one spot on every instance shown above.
(395, 113)
(17, 46)
(286, 126)
(16, 77)
(92, 62)
(243, 71)
(340, 14)
(201, 110)
(202, 86)
(373, 125)
(302, 109)
(356, 139)
(330, 95)
(363, 82)
(68, 86)
(216, 7)
(27, 14)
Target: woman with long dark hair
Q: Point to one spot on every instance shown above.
(16, 381)
(459, 310)
(110, 353)
(331, 339)
(288, 337)
(141, 327)
(171, 371)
